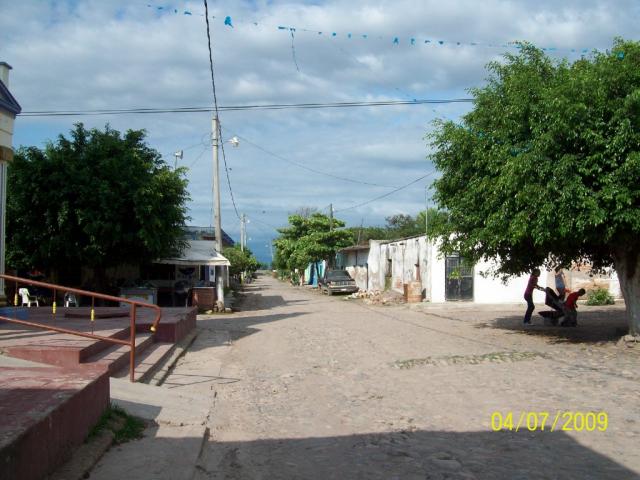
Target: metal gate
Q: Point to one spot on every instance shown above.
(458, 279)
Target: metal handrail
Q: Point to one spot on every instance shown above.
(134, 304)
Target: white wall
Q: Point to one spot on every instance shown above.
(406, 253)
(486, 289)
(437, 275)
(377, 265)
(492, 290)
(408, 258)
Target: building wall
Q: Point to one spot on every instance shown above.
(376, 262)
(581, 276)
(409, 254)
(406, 255)
(408, 263)
(6, 128)
(488, 289)
(355, 263)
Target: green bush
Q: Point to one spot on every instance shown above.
(599, 296)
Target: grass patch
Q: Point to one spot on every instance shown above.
(125, 427)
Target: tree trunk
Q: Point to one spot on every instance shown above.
(627, 265)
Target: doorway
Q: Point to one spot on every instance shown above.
(458, 279)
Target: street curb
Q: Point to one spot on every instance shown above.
(179, 350)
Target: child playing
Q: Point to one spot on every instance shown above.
(528, 294)
(570, 306)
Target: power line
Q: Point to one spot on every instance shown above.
(199, 157)
(265, 224)
(301, 165)
(236, 108)
(215, 105)
(386, 194)
(213, 79)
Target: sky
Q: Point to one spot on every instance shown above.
(80, 55)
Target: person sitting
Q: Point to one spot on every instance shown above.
(570, 306)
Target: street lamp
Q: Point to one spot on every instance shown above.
(215, 143)
(179, 154)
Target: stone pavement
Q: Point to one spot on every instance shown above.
(171, 444)
(306, 386)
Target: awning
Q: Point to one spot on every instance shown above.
(198, 252)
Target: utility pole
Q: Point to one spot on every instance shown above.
(331, 261)
(428, 292)
(360, 231)
(220, 273)
(426, 210)
(243, 232)
(330, 217)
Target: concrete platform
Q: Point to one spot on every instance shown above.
(46, 412)
(55, 386)
(69, 350)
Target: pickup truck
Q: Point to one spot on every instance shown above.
(337, 281)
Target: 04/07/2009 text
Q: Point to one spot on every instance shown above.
(550, 421)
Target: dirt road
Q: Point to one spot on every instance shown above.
(308, 386)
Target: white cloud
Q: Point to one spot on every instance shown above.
(94, 54)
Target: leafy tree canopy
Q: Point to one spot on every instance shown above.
(308, 239)
(545, 168)
(399, 226)
(97, 199)
(241, 261)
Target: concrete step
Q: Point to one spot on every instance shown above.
(164, 406)
(116, 357)
(57, 349)
(147, 362)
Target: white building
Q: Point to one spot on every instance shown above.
(392, 264)
(9, 108)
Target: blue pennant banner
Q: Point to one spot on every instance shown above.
(394, 39)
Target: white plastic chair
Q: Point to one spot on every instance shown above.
(70, 300)
(27, 298)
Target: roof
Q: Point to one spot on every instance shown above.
(207, 233)
(198, 252)
(396, 240)
(7, 102)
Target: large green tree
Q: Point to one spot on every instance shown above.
(242, 261)
(97, 199)
(309, 239)
(399, 226)
(546, 167)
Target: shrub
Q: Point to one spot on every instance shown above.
(599, 296)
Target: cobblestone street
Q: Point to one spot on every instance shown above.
(308, 386)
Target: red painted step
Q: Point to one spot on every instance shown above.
(148, 362)
(46, 412)
(116, 357)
